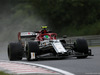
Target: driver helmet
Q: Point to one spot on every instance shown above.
(43, 29)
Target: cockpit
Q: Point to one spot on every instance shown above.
(47, 36)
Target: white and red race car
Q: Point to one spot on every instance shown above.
(44, 44)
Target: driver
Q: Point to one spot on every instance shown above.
(43, 29)
(46, 37)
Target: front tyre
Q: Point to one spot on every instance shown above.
(15, 51)
(81, 46)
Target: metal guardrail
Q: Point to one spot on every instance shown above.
(92, 40)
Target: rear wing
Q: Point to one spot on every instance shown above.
(26, 35)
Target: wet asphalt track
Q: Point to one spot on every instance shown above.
(89, 66)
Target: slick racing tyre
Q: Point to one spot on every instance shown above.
(32, 47)
(15, 51)
(81, 46)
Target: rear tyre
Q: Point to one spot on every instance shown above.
(81, 46)
(15, 51)
(32, 47)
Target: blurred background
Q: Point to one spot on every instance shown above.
(70, 17)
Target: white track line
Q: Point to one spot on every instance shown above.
(44, 66)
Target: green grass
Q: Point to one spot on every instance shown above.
(2, 73)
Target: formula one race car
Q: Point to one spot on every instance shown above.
(44, 44)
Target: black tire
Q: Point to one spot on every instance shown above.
(81, 46)
(32, 47)
(15, 51)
